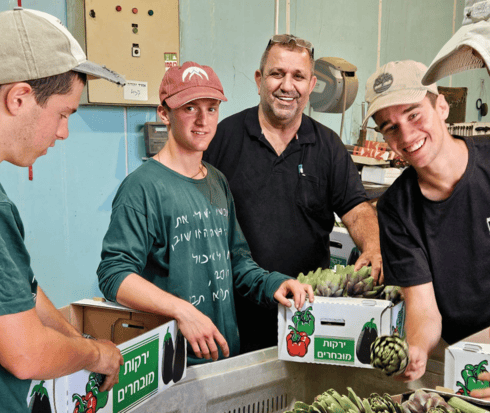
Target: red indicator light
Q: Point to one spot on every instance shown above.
(135, 10)
(118, 8)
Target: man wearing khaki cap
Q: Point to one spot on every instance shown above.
(174, 246)
(434, 219)
(42, 74)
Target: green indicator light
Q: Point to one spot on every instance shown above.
(135, 30)
(150, 12)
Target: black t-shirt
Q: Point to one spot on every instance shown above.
(286, 215)
(444, 242)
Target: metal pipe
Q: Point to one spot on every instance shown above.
(276, 24)
(288, 16)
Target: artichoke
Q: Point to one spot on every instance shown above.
(383, 404)
(343, 282)
(389, 354)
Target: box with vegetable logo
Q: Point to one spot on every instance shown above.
(336, 330)
(463, 362)
(155, 358)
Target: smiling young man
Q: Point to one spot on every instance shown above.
(288, 175)
(42, 74)
(174, 246)
(434, 219)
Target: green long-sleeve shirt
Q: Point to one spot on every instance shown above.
(182, 235)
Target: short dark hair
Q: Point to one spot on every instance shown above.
(61, 84)
(289, 42)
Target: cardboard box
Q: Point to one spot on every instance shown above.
(142, 339)
(342, 330)
(342, 248)
(380, 175)
(463, 361)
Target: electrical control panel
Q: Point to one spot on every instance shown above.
(139, 39)
(156, 136)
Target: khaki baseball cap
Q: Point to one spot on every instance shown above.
(469, 48)
(191, 81)
(396, 83)
(34, 45)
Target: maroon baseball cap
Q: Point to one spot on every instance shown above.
(191, 81)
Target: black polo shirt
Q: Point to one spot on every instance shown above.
(286, 212)
(286, 215)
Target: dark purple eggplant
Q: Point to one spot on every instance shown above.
(39, 399)
(180, 356)
(167, 358)
(368, 334)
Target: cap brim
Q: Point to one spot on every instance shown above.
(98, 71)
(457, 54)
(402, 97)
(193, 93)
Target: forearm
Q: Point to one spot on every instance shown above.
(140, 294)
(423, 322)
(362, 224)
(51, 317)
(31, 350)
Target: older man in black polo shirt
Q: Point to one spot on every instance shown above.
(288, 175)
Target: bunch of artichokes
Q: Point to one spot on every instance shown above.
(345, 282)
(332, 402)
(421, 401)
(390, 354)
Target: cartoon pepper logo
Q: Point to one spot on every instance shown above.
(304, 321)
(94, 399)
(470, 376)
(298, 338)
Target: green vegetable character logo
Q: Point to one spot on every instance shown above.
(470, 376)
(304, 321)
(94, 399)
(39, 399)
(368, 335)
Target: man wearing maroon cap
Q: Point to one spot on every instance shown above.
(174, 246)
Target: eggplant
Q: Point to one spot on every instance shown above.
(180, 356)
(369, 333)
(39, 399)
(167, 358)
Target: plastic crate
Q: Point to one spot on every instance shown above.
(258, 382)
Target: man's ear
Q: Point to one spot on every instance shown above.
(258, 80)
(442, 107)
(163, 114)
(17, 97)
(312, 83)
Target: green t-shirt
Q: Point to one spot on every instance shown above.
(182, 235)
(18, 288)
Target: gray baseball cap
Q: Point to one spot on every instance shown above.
(396, 83)
(35, 45)
(469, 48)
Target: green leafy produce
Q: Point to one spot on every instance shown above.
(345, 282)
(390, 354)
(465, 407)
